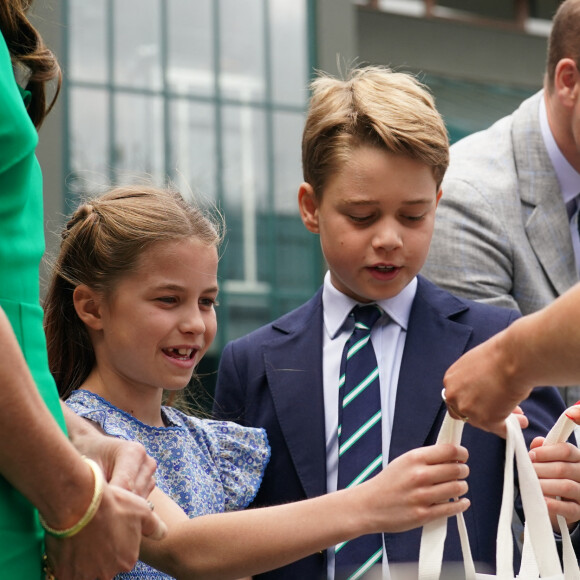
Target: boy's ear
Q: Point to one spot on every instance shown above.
(308, 205)
(439, 194)
(87, 304)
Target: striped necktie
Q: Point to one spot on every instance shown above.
(359, 435)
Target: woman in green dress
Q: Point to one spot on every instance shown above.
(39, 468)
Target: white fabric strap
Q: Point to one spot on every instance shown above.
(560, 433)
(435, 532)
(540, 558)
(534, 506)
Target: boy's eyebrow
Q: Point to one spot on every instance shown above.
(366, 202)
(418, 201)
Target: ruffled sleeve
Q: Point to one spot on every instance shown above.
(241, 455)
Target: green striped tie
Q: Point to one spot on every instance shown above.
(359, 435)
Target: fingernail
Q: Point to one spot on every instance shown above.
(571, 418)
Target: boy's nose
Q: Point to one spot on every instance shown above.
(386, 237)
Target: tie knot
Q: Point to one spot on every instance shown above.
(366, 316)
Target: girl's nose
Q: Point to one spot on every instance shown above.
(192, 322)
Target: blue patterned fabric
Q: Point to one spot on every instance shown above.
(205, 466)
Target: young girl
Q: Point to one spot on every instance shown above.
(129, 313)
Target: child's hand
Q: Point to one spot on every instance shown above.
(416, 488)
(558, 468)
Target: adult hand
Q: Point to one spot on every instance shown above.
(109, 544)
(124, 463)
(478, 386)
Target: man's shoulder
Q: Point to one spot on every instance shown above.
(491, 152)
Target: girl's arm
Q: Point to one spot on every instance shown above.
(412, 490)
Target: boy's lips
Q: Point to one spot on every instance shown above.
(384, 271)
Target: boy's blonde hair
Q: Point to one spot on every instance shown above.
(372, 106)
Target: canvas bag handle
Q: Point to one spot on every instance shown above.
(535, 510)
(560, 432)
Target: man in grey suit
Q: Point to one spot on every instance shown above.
(506, 230)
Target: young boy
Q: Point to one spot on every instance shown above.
(374, 153)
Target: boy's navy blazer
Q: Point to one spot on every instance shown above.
(272, 378)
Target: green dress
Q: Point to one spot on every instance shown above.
(21, 249)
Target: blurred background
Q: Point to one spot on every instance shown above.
(211, 95)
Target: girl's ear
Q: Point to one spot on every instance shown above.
(308, 205)
(87, 304)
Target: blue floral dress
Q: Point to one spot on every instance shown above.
(205, 466)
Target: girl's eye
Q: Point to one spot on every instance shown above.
(208, 302)
(167, 299)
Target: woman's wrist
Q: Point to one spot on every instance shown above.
(90, 511)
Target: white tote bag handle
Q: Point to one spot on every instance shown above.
(435, 532)
(536, 514)
(559, 433)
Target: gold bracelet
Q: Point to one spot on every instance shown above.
(91, 510)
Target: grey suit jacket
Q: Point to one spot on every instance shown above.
(502, 232)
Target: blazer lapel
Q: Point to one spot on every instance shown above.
(294, 370)
(543, 209)
(433, 343)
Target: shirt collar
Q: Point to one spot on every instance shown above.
(568, 177)
(337, 306)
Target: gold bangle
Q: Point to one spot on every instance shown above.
(91, 510)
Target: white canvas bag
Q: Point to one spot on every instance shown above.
(540, 557)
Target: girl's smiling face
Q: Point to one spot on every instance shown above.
(158, 322)
(375, 219)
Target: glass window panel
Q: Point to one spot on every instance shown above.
(89, 140)
(242, 49)
(244, 158)
(137, 46)
(190, 47)
(244, 314)
(287, 161)
(244, 182)
(292, 243)
(289, 46)
(192, 140)
(139, 141)
(88, 40)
